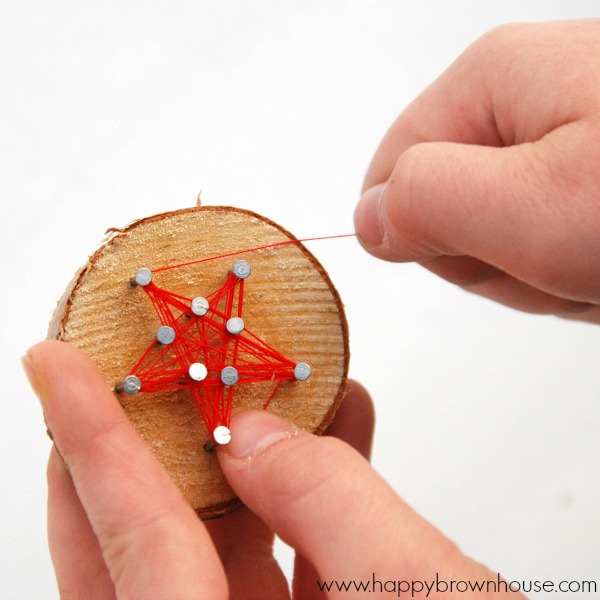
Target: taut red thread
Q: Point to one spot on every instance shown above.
(238, 252)
(204, 345)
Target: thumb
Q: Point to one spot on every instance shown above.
(508, 208)
(323, 498)
(444, 198)
(116, 500)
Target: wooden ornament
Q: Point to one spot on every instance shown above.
(289, 302)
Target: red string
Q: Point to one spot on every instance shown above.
(237, 252)
(205, 339)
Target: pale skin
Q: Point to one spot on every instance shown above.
(489, 179)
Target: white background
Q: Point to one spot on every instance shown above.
(110, 111)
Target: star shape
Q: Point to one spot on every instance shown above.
(203, 345)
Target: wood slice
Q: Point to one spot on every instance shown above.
(289, 302)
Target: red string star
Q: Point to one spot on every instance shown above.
(204, 345)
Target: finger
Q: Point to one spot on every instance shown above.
(502, 206)
(443, 199)
(451, 190)
(438, 114)
(323, 498)
(76, 555)
(245, 546)
(490, 95)
(245, 543)
(354, 423)
(476, 276)
(305, 576)
(152, 543)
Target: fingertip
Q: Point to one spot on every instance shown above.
(367, 217)
(359, 402)
(40, 350)
(354, 422)
(34, 378)
(253, 431)
(59, 371)
(391, 219)
(295, 484)
(34, 363)
(46, 362)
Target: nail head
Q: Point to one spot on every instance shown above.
(200, 306)
(197, 371)
(222, 435)
(132, 385)
(165, 335)
(143, 277)
(301, 371)
(241, 269)
(235, 325)
(229, 375)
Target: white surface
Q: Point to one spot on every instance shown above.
(488, 419)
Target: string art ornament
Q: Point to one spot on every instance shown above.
(191, 313)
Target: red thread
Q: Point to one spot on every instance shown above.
(237, 252)
(205, 339)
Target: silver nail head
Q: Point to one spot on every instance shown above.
(132, 385)
(200, 306)
(165, 335)
(235, 325)
(229, 375)
(241, 269)
(301, 371)
(143, 276)
(198, 371)
(222, 435)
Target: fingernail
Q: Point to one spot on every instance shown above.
(34, 378)
(64, 462)
(253, 431)
(367, 216)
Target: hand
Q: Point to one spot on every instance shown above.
(119, 528)
(491, 177)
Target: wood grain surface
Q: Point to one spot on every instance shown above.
(289, 301)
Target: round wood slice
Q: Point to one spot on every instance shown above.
(289, 302)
